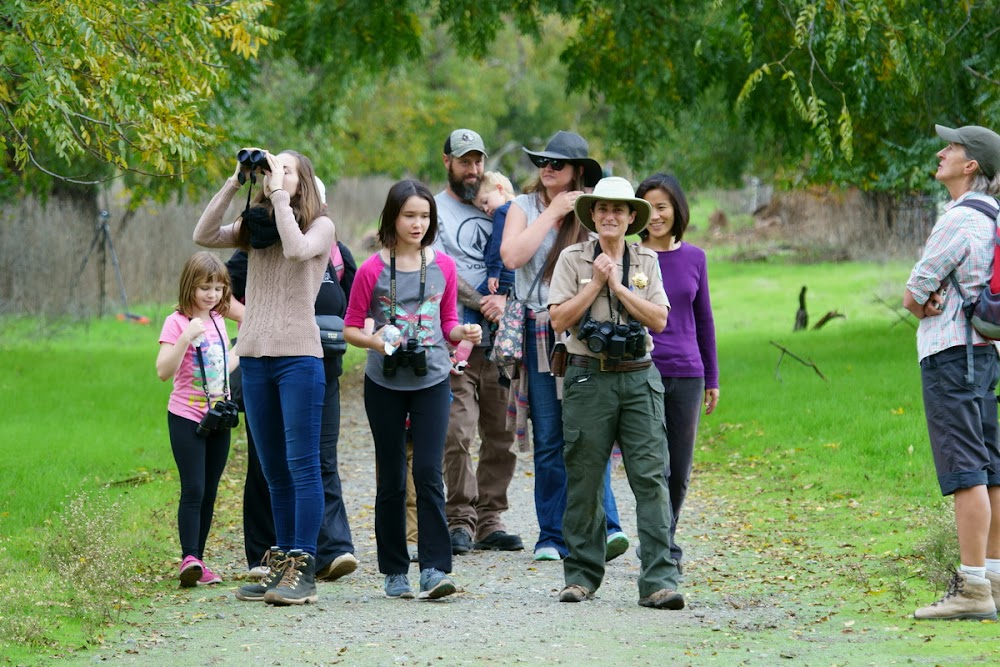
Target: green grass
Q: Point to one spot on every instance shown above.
(818, 490)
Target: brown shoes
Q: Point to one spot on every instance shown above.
(665, 598)
(341, 566)
(574, 593)
(965, 598)
(994, 579)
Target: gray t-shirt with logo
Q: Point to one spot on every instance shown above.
(463, 234)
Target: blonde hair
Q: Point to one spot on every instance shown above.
(492, 179)
(203, 267)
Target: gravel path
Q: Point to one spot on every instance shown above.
(505, 613)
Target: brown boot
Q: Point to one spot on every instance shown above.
(994, 578)
(965, 599)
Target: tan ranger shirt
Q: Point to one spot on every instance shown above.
(575, 268)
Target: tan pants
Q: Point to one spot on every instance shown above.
(477, 497)
(411, 497)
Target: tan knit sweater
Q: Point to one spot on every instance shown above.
(282, 281)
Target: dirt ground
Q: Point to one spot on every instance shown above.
(507, 611)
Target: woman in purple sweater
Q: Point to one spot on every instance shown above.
(684, 352)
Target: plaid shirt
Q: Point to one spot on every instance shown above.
(962, 241)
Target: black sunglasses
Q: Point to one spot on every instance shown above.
(542, 162)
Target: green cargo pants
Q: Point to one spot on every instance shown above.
(600, 408)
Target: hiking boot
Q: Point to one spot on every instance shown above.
(398, 586)
(665, 598)
(341, 566)
(461, 541)
(435, 584)
(298, 582)
(994, 579)
(499, 541)
(208, 577)
(191, 571)
(617, 545)
(547, 553)
(275, 564)
(967, 597)
(575, 593)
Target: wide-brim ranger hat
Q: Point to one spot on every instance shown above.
(613, 188)
(572, 148)
(981, 144)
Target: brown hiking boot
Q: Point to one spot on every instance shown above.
(665, 598)
(575, 593)
(964, 599)
(994, 578)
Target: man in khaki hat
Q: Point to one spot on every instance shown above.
(477, 492)
(606, 293)
(959, 369)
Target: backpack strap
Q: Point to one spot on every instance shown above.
(991, 213)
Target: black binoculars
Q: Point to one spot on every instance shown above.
(224, 415)
(253, 160)
(410, 356)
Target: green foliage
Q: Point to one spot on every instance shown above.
(91, 87)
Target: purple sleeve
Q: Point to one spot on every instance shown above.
(449, 300)
(361, 292)
(705, 327)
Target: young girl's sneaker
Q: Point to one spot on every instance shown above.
(208, 577)
(191, 571)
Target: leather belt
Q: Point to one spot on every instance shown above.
(583, 361)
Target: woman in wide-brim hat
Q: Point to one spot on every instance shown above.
(540, 224)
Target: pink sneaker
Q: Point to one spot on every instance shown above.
(192, 570)
(208, 577)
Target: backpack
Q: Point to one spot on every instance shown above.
(983, 312)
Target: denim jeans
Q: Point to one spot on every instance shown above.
(550, 468)
(284, 405)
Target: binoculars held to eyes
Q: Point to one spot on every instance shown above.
(253, 160)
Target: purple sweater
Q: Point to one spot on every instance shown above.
(686, 348)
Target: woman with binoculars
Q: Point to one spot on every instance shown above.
(288, 241)
(612, 392)
(410, 291)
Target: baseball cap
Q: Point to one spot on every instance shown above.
(981, 144)
(461, 142)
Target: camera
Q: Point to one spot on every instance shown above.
(224, 415)
(596, 334)
(410, 355)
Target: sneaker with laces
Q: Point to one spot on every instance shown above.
(547, 553)
(435, 584)
(208, 577)
(398, 586)
(499, 540)
(191, 571)
(461, 541)
(665, 598)
(574, 593)
(274, 561)
(341, 566)
(994, 579)
(298, 581)
(967, 597)
(617, 545)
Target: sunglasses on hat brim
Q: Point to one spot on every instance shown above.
(542, 162)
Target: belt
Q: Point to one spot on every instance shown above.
(583, 361)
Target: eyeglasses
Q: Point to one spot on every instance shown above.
(542, 162)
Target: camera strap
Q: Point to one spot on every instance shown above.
(392, 288)
(621, 307)
(225, 364)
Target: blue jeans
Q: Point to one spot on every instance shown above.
(284, 407)
(550, 468)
